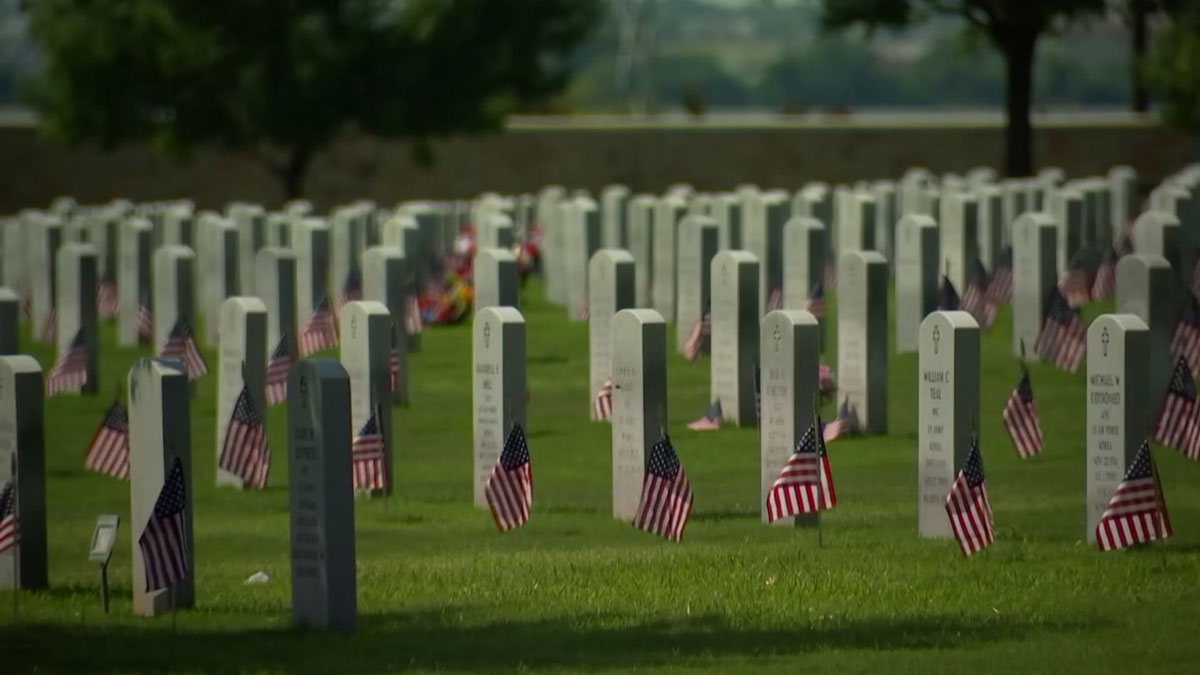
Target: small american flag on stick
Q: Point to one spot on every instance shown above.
(1178, 424)
(181, 345)
(351, 290)
(1185, 342)
(602, 405)
(319, 331)
(1001, 287)
(108, 453)
(976, 299)
(164, 542)
(245, 453)
(9, 529)
(1075, 285)
(666, 499)
(806, 482)
(70, 370)
(1105, 282)
(948, 300)
(844, 424)
(1021, 418)
(693, 346)
(968, 507)
(816, 300)
(509, 488)
(368, 457)
(710, 421)
(277, 371)
(1063, 338)
(1137, 512)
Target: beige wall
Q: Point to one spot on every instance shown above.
(33, 171)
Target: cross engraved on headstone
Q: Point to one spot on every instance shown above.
(1104, 340)
(937, 336)
(776, 335)
(487, 335)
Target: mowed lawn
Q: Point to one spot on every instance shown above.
(439, 589)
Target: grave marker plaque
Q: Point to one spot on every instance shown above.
(1160, 233)
(612, 212)
(366, 341)
(948, 406)
(581, 229)
(44, 239)
(23, 463)
(735, 323)
(497, 283)
(133, 277)
(276, 286)
(697, 246)
(387, 278)
(498, 368)
(610, 291)
(959, 245)
(159, 433)
(76, 303)
(1119, 405)
(917, 277)
(862, 337)
(312, 264)
(670, 210)
(242, 361)
(1148, 288)
(641, 245)
(173, 294)
(639, 372)
(321, 496)
(1035, 242)
(790, 348)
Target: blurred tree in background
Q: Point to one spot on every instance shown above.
(282, 79)
(1012, 26)
(1173, 69)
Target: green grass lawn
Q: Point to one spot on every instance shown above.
(439, 589)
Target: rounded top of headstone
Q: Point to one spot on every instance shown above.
(638, 316)
(148, 367)
(380, 253)
(1033, 219)
(364, 308)
(865, 257)
(242, 304)
(1142, 261)
(697, 221)
(76, 249)
(643, 200)
(501, 314)
(917, 221)
(136, 223)
(1127, 322)
(7, 294)
(497, 254)
(19, 363)
(804, 223)
(614, 255)
(1156, 219)
(954, 320)
(174, 251)
(500, 220)
(314, 223)
(815, 190)
(735, 256)
(268, 253)
(790, 317)
(615, 191)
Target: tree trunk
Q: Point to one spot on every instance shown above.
(1018, 135)
(1137, 30)
(293, 173)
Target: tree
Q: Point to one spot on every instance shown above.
(282, 79)
(1137, 17)
(1173, 71)
(1012, 26)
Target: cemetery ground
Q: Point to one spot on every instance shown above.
(439, 589)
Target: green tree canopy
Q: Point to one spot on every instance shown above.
(1012, 26)
(1173, 71)
(282, 79)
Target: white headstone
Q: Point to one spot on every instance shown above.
(387, 278)
(498, 368)
(1035, 241)
(133, 277)
(667, 215)
(242, 363)
(697, 246)
(276, 286)
(610, 290)
(174, 277)
(734, 343)
(311, 244)
(862, 337)
(612, 213)
(790, 350)
(640, 232)
(959, 236)
(917, 277)
(1148, 288)
(366, 339)
(639, 373)
(76, 303)
(44, 239)
(23, 463)
(581, 230)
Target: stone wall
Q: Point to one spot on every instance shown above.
(531, 154)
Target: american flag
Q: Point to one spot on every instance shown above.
(693, 346)
(277, 371)
(70, 370)
(412, 317)
(1137, 512)
(9, 530)
(816, 300)
(1076, 287)
(775, 300)
(806, 482)
(319, 332)
(602, 405)
(509, 488)
(948, 299)
(1185, 342)
(245, 453)
(710, 421)
(968, 507)
(844, 424)
(1105, 282)
(1001, 286)
(108, 453)
(50, 327)
(394, 368)
(351, 290)
(145, 318)
(976, 299)
(368, 457)
(1021, 419)
(164, 542)
(181, 345)
(1178, 424)
(107, 302)
(666, 499)
(1063, 339)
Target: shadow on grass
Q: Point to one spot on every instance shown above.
(388, 642)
